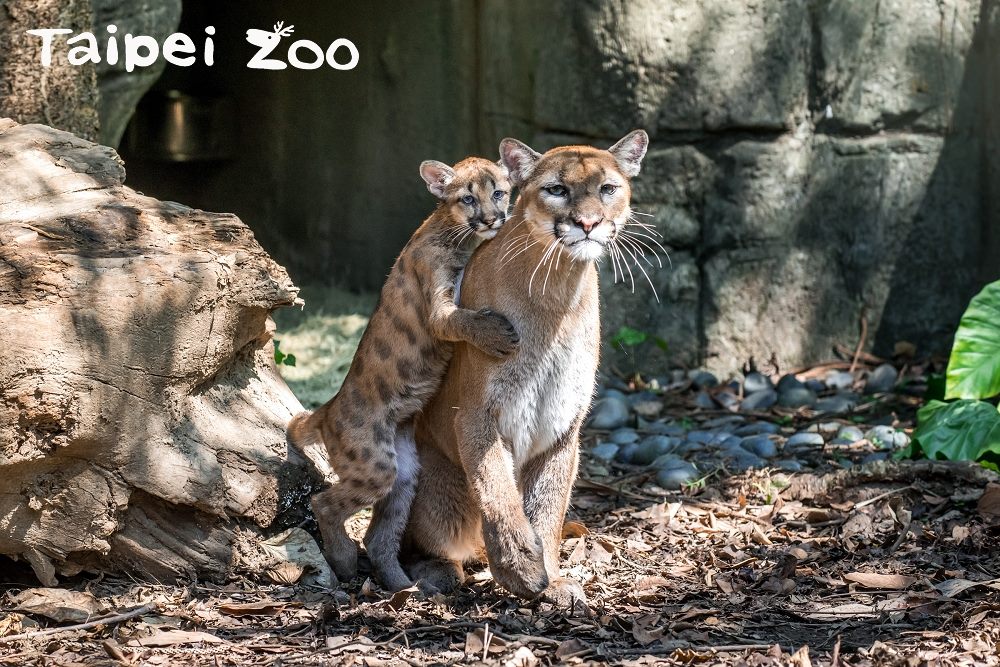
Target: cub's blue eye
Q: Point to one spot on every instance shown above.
(498, 194)
(556, 190)
(468, 200)
(608, 189)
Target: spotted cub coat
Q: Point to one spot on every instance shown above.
(367, 427)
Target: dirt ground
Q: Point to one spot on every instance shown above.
(882, 564)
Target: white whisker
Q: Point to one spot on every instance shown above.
(545, 255)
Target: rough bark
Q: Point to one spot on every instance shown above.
(61, 95)
(141, 416)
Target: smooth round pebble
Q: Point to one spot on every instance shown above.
(881, 380)
(704, 401)
(604, 451)
(805, 439)
(839, 380)
(626, 452)
(850, 434)
(652, 447)
(789, 381)
(668, 461)
(837, 404)
(788, 465)
(674, 479)
(727, 400)
(661, 428)
(741, 459)
(610, 412)
(816, 385)
(704, 437)
(796, 397)
(755, 382)
(886, 437)
(761, 445)
(757, 428)
(623, 436)
(759, 400)
(690, 447)
(704, 380)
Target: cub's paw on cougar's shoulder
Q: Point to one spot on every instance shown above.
(519, 564)
(494, 334)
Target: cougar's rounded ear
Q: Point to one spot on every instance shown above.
(630, 150)
(519, 159)
(437, 176)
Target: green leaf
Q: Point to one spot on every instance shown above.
(960, 431)
(974, 366)
(629, 336)
(289, 360)
(660, 343)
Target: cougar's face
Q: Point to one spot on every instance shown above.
(476, 192)
(576, 198)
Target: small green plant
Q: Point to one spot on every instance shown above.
(966, 424)
(631, 340)
(280, 358)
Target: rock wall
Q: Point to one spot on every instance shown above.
(812, 163)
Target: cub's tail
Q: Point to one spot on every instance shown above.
(304, 437)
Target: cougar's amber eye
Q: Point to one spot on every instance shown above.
(556, 190)
(468, 200)
(609, 189)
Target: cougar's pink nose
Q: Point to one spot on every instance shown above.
(587, 222)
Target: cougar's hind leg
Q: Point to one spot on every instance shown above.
(363, 455)
(391, 514)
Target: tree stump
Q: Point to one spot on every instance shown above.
(141, 415)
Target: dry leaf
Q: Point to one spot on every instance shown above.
(841, 612)
(601, 552)
(883, 581)
(475, 641)
(800, 658)
(294, 553)
(570, 647)
(265, 608)
(58, 604)
(989, 502)
(579, 553)
(778, 585)
(574, 529)
(399, 598)
(523, 657)
(647, 629)
(175, 638)
(952, 587)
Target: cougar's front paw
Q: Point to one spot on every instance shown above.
(494, 334)
(519, 564)
(567, 594)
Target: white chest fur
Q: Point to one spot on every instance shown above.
(545, 388)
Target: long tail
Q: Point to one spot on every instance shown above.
(305, 437)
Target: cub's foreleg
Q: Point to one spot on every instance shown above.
(490, 332)
(547, 482)
(390, 515)
(513, 547)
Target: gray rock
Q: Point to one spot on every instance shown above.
(610, 412)
(704, 437)
(755, 382)
(761, 445)
(796, 397)
(886, 437)
(604, 451)
(805, 439)
(829, 427)
(761, 400)
(668, 461)
(881, 380)
(652, 447)
(727, 399)
(661, 428)
(837, 404)
(850, 434)
(788, 465)
(789, 381)
(626, 452)
(704, 380)
(704, 401)
(674, 479)
(817, 386)
(623, 436)
(757, 428)
(690, 447)
(740, 460)
(839, 380)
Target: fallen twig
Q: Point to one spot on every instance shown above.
(107, 620)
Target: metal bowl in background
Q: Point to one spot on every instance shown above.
(173, 126)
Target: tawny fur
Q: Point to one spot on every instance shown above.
(498, 445)
(367, 427)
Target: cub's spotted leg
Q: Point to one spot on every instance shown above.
(513, 547)
(547, 484)
(489, 331)
(365, 461)
(390, 515)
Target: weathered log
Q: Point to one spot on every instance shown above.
(141, 415)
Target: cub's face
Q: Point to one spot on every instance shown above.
(576, 198)
(475, 191)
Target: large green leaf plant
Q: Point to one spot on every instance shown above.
(966, 425)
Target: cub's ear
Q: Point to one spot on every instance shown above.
(519, 159)
(437, 176)
(630, 150)
(503, 169)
